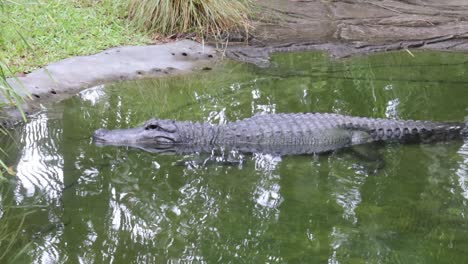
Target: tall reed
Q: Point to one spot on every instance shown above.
(205, 17)
(8, 98)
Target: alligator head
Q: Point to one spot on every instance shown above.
(155, 136)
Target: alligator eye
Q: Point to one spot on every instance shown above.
(152, 126)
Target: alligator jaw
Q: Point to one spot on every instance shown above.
(154, 141)
(117, 136)
(133, 136)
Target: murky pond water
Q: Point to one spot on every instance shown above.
(89, 204)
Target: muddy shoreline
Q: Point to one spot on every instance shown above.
(348, 27)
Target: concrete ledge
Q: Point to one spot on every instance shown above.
(65, 78)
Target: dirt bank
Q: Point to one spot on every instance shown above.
(348, 27)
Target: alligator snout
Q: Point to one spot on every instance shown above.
(100, 134)
(119, 136)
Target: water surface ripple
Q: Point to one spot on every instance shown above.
(90, 204)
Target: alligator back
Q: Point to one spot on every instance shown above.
(319, 132)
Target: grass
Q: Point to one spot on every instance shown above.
(12, 100)
(38, 32)
(10, 242)
(11, 246)
(13, 243)
(205, 17)
(34, 33)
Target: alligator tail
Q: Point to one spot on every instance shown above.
(456, 131)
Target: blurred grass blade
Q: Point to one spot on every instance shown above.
(9, 93)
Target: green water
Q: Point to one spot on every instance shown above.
(89, 204)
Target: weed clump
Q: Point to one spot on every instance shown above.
(204, 17)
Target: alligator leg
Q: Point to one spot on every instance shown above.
(372, 160)
(217, 158)
(202, 162)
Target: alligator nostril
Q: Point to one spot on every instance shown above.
(100, 133)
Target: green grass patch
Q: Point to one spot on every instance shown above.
(14, 240)
(34, 33)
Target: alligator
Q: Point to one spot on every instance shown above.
(279, 134)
